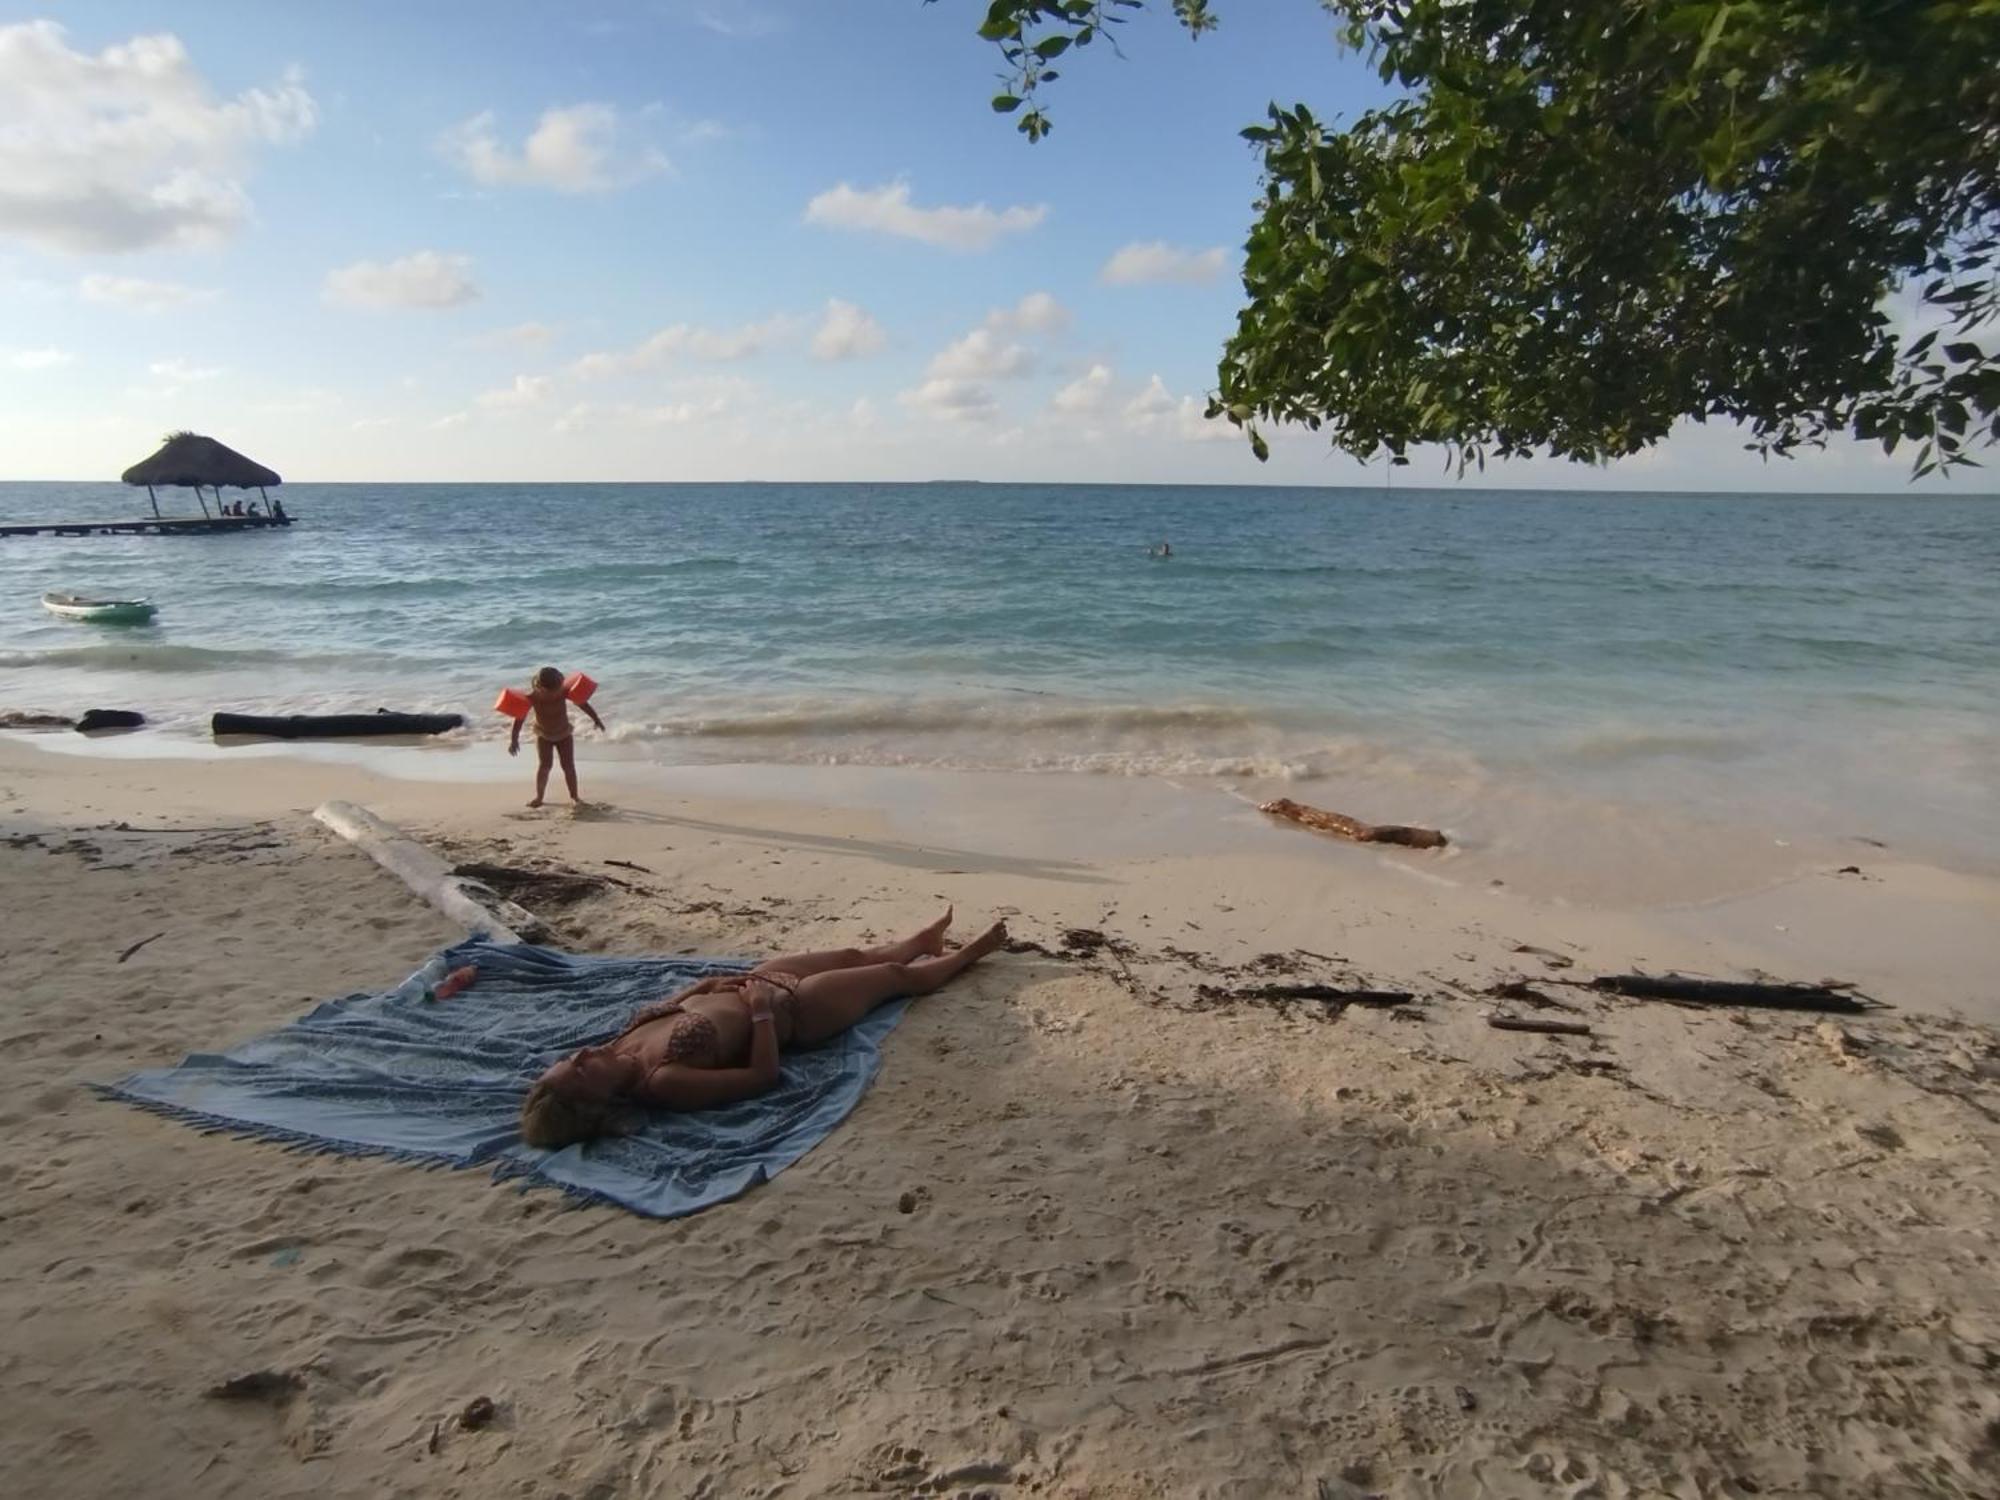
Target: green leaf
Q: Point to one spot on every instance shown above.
(1711, 36)
(1051, 47)
(1006, 104)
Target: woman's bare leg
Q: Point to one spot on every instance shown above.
(925, 942)
(833, 1000)
(567, 750)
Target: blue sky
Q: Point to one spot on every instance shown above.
(688, 239)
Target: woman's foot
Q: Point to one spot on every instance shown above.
(931, 939)
(985, 943)
(536, 803)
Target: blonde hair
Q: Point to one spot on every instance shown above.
(551, 1120)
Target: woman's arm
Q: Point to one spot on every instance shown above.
(681, 1088)
(676, 1086)
(676, 1000)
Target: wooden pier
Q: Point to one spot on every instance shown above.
(147, 526)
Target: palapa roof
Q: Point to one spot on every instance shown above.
(189, 458)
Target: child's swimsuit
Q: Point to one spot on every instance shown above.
(552, 725)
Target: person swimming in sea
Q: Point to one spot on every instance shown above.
(719, 1040)
(1165, 549)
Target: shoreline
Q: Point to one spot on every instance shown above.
(1717, 903)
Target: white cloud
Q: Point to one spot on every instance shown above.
(960, 400)
(1157, 410)
(738, 21)
(426, 279)
(1038, 312)
(520, 336)
(139, 294)
(1151, 411)
(127, 149)
(572, 150)
(717, 345)
(39, 359)
(847, 333)
(527, 390)
(981, 355)
(1087, 395)
(575, 419)
(701, 132)
(1157, 261)
(986, 353)
(451, 420)
(1154, 401)
(370, 424)
(181, 372)
(1193, 423)
(888, 210)
(699, 399)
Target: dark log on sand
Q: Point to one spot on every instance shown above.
(1321, 821)
(1730, 992)
(333, 726)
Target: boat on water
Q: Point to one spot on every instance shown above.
(100, 611)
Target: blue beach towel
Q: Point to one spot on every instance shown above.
(396, 1075)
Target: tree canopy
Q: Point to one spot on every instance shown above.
(1580, 221)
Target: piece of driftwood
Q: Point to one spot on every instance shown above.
(258, 1385)
(626, 864)
(1548, 1028)
(109, 718)
(332, 726)
(138, 945)
(1730, 992)
(1321, 821)
(468, 901)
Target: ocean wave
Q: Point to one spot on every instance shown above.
(159, 658)
(1016, 715)
(1615, 748)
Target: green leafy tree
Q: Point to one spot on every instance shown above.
(1581, 222)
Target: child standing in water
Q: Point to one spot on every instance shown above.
(554, 734)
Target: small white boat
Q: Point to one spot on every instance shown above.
(100, 611)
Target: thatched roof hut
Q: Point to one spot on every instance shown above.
(188, 458)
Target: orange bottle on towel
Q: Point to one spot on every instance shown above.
(458, 979)
(514, 705)
(578, 688)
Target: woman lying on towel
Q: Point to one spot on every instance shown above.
(717, 1041)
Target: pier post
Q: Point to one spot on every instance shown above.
(156, 501)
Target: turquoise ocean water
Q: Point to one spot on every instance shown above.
(1800, 661)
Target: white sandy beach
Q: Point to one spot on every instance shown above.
(1092, 1232)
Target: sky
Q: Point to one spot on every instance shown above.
(663, 240)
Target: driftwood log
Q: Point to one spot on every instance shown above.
(1548, 1028)
(332, 726)
(1321, 821)
(1731, 992)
